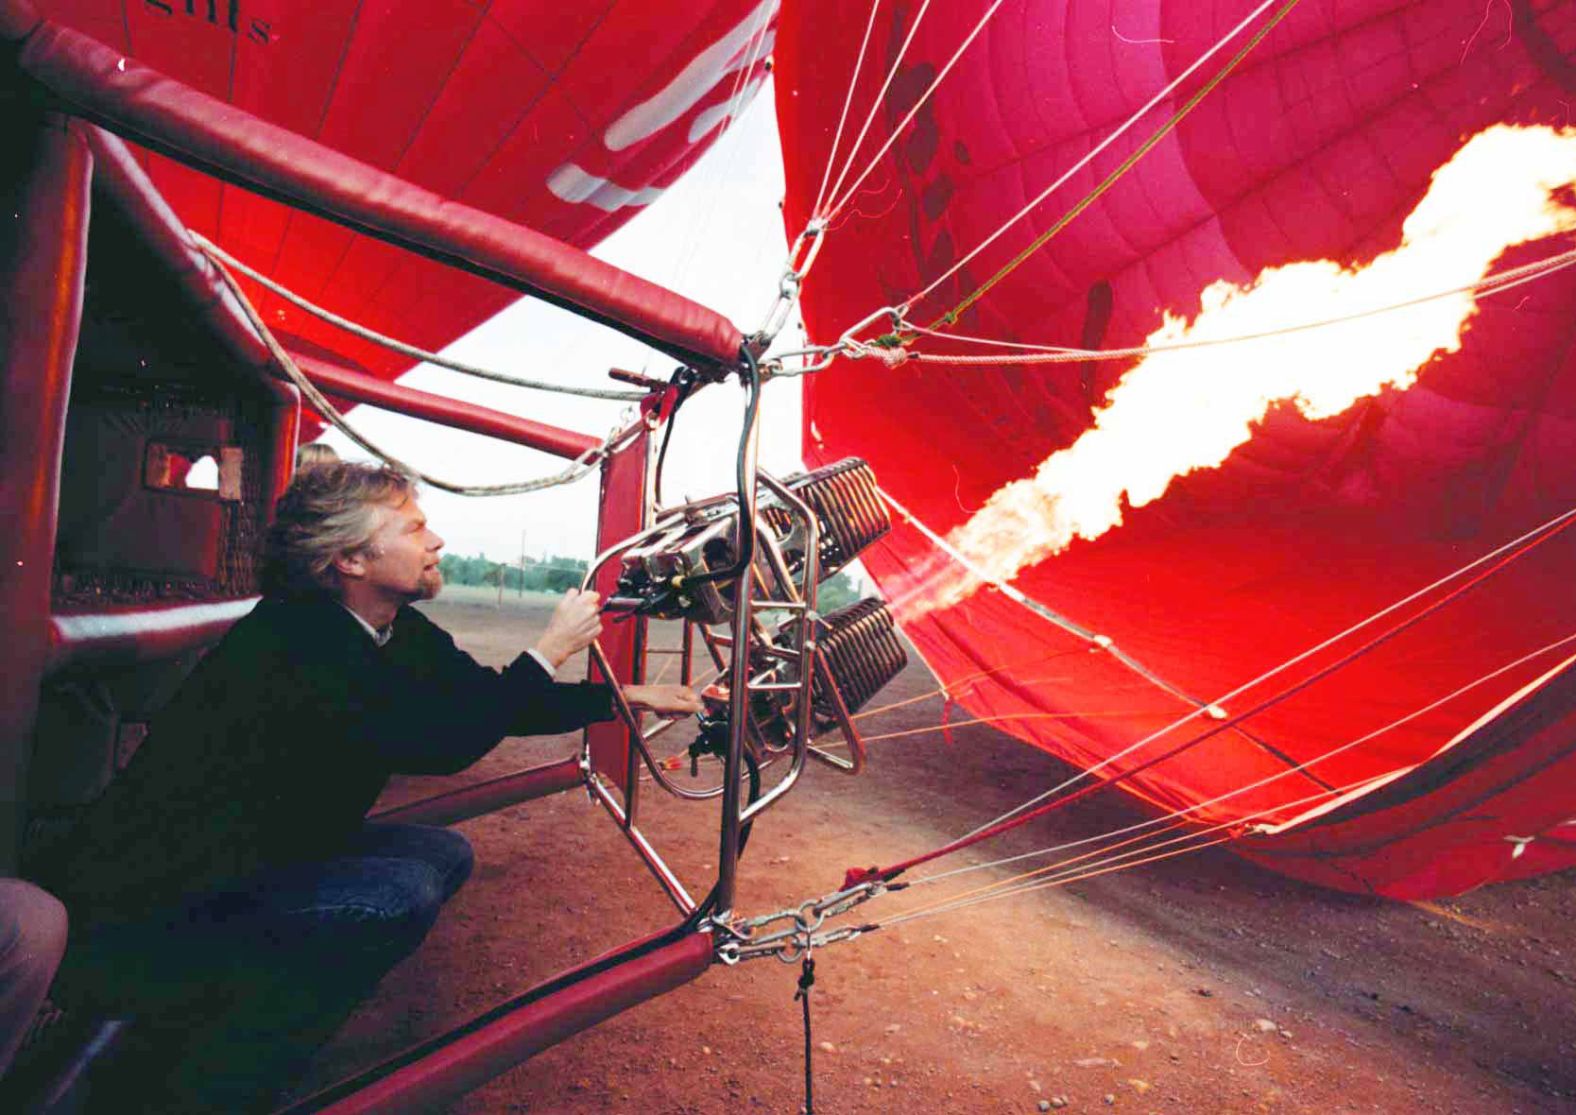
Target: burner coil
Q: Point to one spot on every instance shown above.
(846, 505)
(863, 653)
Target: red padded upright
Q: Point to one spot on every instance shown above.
(43, 258)
(622, 506)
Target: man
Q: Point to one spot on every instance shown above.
(230, 866)
(32, 937)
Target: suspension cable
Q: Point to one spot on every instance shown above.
(853, 190)
(1065, 871)
(1490, 284)
(705, 215)
(219, 255)
(888, 350)
(1094, 153)
(1549, 527)
(1122, 168)
(1045, 612)
(848, 101)
(1178, 816)
(875, 105)
(1049, 800)
(579, 467)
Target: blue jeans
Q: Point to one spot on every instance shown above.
(374, 902)
(233, 990)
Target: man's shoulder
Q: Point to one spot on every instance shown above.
(413, 625)
(291, 621)
(411, 616)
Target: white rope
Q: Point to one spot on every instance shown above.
(1496, 283)
(1490, 284)
(1045, 612)
(1110, 863)
(853, 190)
(1066, 872)
(875, 105)
(215, 252)
(1180, 814)
(1098, 148)
(1220, 702)
(848, 101)
(576, 469)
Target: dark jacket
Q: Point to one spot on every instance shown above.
(282, 739)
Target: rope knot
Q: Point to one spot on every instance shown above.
(806, 978)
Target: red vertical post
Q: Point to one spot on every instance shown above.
(620, 513)
(44, 201)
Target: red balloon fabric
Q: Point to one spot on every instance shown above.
(567, 118)
(1317, 146)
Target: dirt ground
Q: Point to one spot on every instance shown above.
(1199, 984)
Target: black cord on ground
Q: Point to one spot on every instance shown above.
(807, 981)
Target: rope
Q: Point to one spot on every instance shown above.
(1491, 284)
(912, 112)
(1023, 599)
(1127, 164)
(1556, 523)
(888, 350)
(875, 105)
(1131, 121)
(1103, 867)
(945, 691)
(1236, 828)
(1176, 817)
(1024, 813)
(848, 101)
(807, 981)
(577, 468)
(704, 219)
(218, 254)
(1006, 716)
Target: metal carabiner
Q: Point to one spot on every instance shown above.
(813, 906)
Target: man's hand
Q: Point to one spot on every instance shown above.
(671, 701)
(576, 623)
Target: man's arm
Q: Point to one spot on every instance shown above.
(446, 710)
(575, 624)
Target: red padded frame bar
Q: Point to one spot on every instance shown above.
(40, 315)
(119, 178)
(470, 1058)
(215, 137)
(359, 387)
(127, 636)
(124, 182)
(487, 797)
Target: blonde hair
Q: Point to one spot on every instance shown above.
(328, 510)
(312, 454)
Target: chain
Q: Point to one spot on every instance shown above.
(792, 934)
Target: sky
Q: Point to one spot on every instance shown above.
(717, 237)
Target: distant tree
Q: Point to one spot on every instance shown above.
(836, 592)
(555, 574)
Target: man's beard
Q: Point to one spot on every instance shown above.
(430, 585)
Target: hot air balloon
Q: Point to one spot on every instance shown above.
(1341, 637)
(380, 159)
(1303, 641)
(517, 109)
